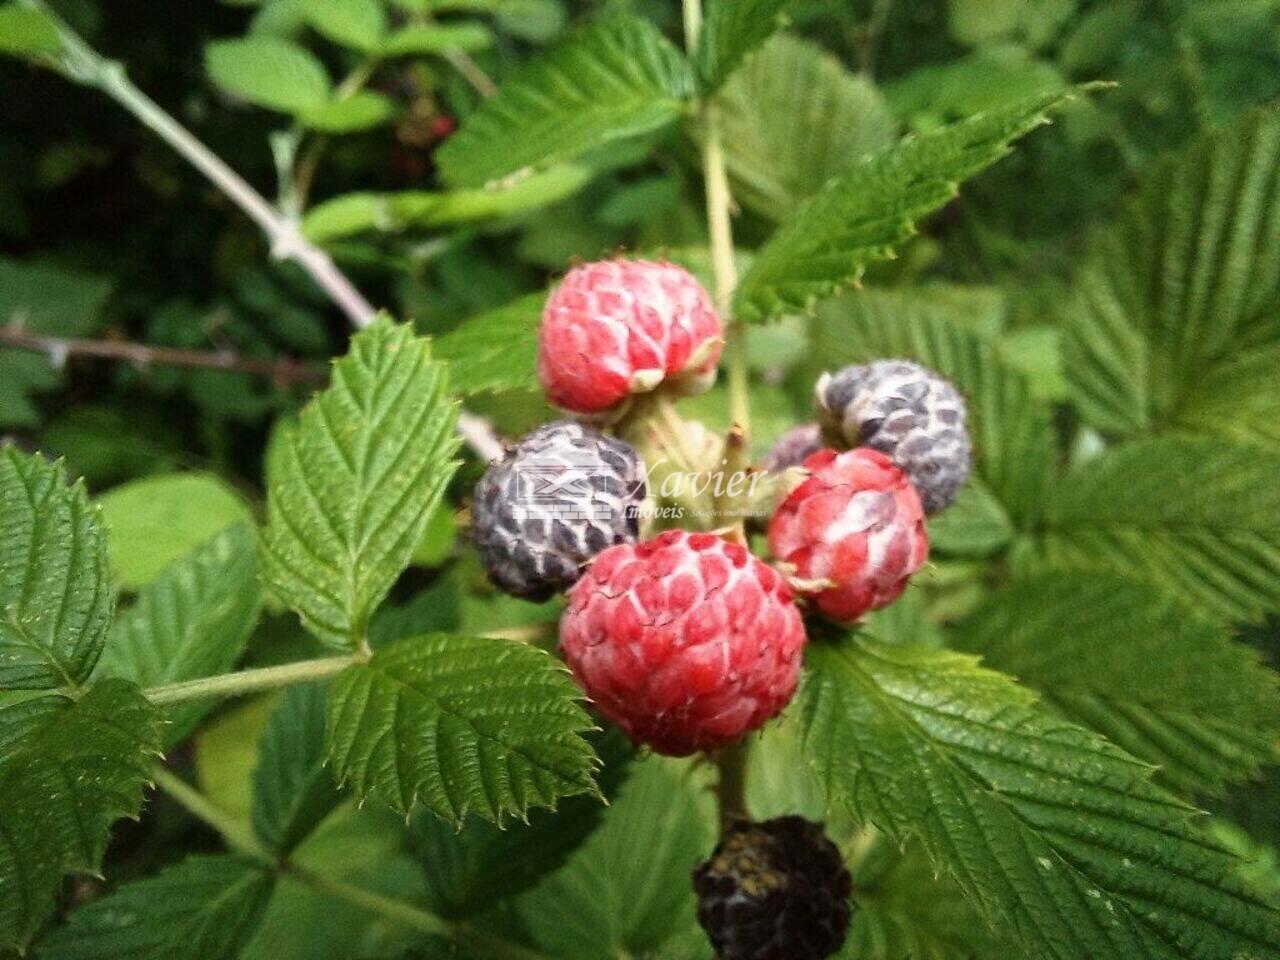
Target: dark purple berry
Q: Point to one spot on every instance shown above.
(907, 412)
(559, 497)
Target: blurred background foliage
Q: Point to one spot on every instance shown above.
(336, 113)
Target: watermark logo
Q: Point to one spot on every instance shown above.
(563, 487)
(577, 486)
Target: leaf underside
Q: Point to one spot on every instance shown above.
(1199, 519)
(1175, 318)
(791, 119)
(1144, 669)
(731, 29)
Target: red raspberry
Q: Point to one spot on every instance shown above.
(619, 327)
(857, 523)
(685, 641)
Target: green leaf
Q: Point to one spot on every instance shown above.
(1236, 400)
(355, 213)
(269, 72)
(437, 38)
(984, 80)
(905, 622)
(55, 593)
(911, 913)
(616, 78)
(497, 350)
(1055, 836)
(192, 622)
(1177, 306)
(359, 111)
(472, 868)
(982, 22)
(1014, 446)
(24, 31)
(1259, 862)
(150, 522)
(731, 29)
(293, 789)
(627, 890)
(48, 297)
(359, 24)
(436, 544)
(362, 848)
(791, 119)
(1198, 518)
(354, 482)
(862, 214)
(976, 525)
(205, 908)
(66, 776)
(461, 724)
(42, 297)
(1142, 668)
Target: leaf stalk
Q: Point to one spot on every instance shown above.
(252, 681)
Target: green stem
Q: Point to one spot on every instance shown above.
(414, 918)
(251, 681)
(724, 271)
(296, 199)
(731, 789)
(731, 762)
(85, 65)
(237, 835)
(240, 837)
(404, 914)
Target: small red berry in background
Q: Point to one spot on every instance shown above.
(857, 526)
(619, 327)
(442, 126)
(685, 641)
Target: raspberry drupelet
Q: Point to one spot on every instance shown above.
(854, 530)
(685, 641)
(615, 328)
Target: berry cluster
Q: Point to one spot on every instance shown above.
(686, 640)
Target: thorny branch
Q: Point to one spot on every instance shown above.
(82, 63)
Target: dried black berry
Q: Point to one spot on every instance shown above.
(776, 890)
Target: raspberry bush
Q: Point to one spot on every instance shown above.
(715, 540)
